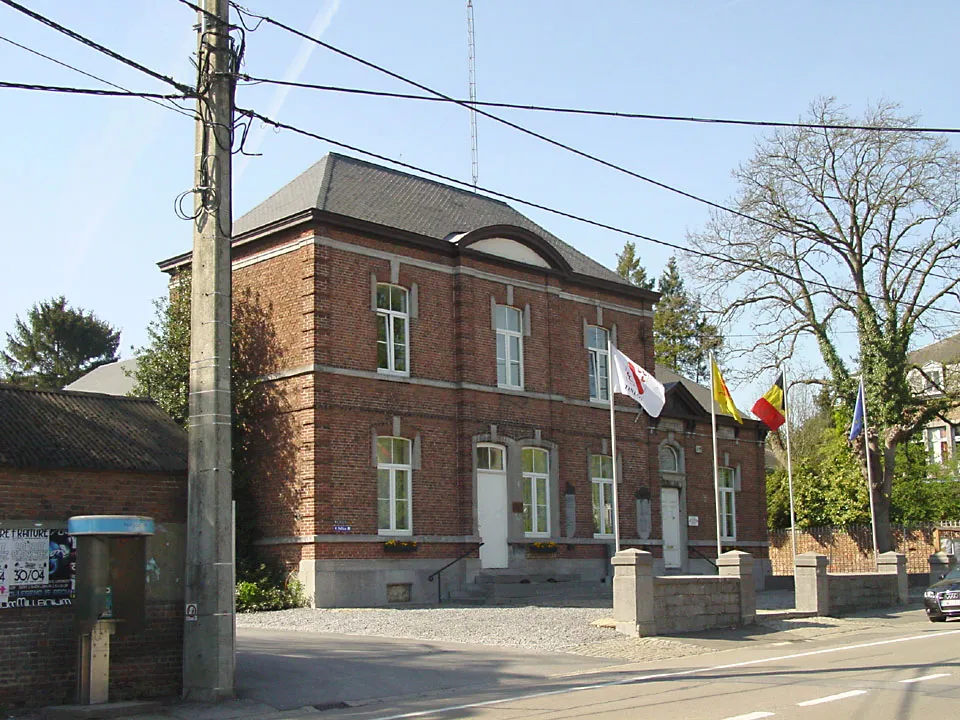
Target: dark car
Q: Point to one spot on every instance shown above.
(942, 599)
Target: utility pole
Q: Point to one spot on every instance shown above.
(209, 629)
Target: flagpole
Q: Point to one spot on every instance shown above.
(786, 417)
(866, 453)
(716, 469)
(613, 447)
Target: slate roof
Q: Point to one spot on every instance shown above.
(110, 379)
(365, 191)
(67, 430)
(946, 352)
(701, 393)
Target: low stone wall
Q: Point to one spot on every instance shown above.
(644, 604)
(854, 592)
(686, 603)
(838, 594)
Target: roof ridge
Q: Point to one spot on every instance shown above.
(74, 393)
(328, 160)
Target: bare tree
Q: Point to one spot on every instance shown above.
(846, 230)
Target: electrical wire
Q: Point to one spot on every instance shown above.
(185, 89)
(600, 113)
(87, 91)
(169, 106)
(546, 208)
(532, 133)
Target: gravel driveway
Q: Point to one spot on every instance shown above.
(530, 627)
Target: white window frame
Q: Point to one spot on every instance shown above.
(501, 451)
(391, 318)
(728, 493)
(936, 452)
(531, 480)
(392, 468)
(601, 486)
(599, 363)
(506, 333)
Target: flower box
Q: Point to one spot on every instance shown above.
(542, 548)
(400, 546)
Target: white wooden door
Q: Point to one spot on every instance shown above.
(492, 518)
(670, 510)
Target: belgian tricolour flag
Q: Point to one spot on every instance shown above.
(771, 408)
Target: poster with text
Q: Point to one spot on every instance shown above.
(37, 567)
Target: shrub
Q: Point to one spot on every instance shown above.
(267, 589)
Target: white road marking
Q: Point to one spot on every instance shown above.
(831, 698)
(926, 677)
(662, 676)
(752, 716)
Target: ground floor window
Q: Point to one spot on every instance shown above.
(728, 504)
(393, 486)
(535, 466)
(601, 474)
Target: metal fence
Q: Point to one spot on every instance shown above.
(850, 548)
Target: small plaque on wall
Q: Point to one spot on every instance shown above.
(693, 521)
(518, 507)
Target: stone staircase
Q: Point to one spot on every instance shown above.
(501, 587)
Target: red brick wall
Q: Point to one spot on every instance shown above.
(320, 303)
(40, 642)
(850, 549)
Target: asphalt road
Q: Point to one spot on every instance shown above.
(908, 669)
(287, 670)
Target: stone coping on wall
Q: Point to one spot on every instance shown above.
(645, 604)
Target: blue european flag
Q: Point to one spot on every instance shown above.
(857, 427)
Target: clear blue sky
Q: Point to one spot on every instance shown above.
(88, 184)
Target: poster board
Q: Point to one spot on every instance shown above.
(37, 567)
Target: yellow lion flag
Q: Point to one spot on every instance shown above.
(721, 396)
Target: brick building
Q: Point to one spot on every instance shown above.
(71, 453)
(439, 370)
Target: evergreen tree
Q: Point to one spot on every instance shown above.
(629, 267)
(56, 344)
(683, 337)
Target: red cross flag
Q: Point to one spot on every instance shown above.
(631, 379)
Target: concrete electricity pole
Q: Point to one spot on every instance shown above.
(209, 631)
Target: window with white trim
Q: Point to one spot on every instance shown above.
(933, 382)
(393, 324)
(938, 444)
(393, 486)
(490, 457)
(728, 503)
(509, 324)
(601, 476)
(535, 466)
(597, 349)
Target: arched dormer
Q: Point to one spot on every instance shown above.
(512, 243)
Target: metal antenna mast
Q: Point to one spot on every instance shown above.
(471, 60)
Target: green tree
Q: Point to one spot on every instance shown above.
(629, 267)
(163, 373)
(828, 486)
(56, 344)
(683, 337)
(846, 228)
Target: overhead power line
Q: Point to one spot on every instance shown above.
(532, 133)
(539, 206)
(185, 89)
(169, 106)
(599, 113)
(88, 91)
